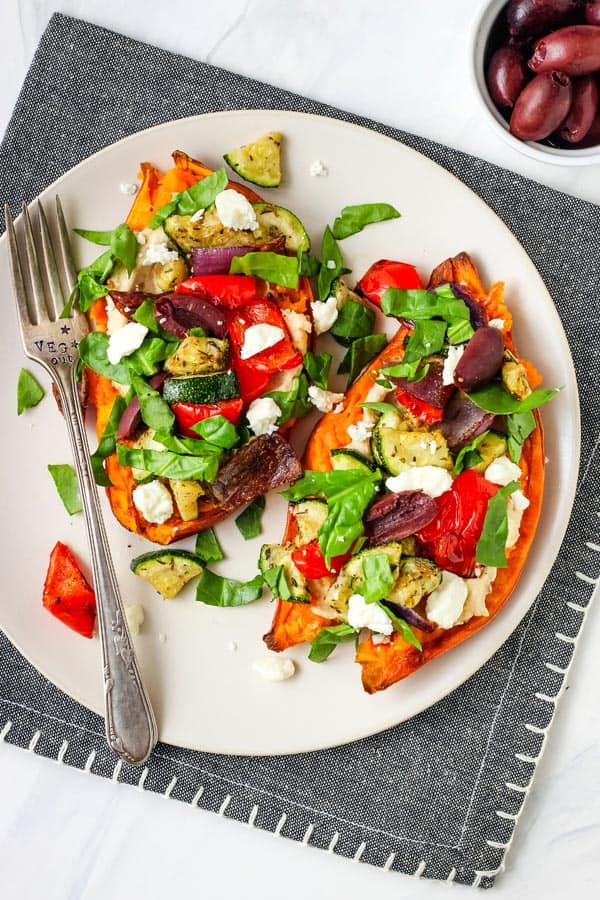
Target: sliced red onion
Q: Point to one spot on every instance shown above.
(128, 301)
(132, 416)
(478, 314)
(178, 313)
(216, 260)
(413, 618)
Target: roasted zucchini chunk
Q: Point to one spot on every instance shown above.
(416, 578)
(351, 579)
(514, 379)
(186, 494)
(258, 162)
(274, 555)
(309, 516)
(351, 459)
(490, 448)
(167, 570)
(171, 274)
(399, 450)
(197, 356)
(273, 223)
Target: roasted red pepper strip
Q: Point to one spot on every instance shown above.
(188, 414)
(282, 355)
(67, 595)
(230, 291)
(451, 538)
(419, 408)
(384, 274)
(310, 561)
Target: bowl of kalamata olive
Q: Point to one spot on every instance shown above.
(537, 70)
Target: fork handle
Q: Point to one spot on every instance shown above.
(130, 724)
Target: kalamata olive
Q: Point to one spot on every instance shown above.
(177, 313)
(506, 76)
(395, 516)
(128, 301)
(541, 107)
(592, 138)
(463, 421)
(584, 107)
(431, 387)
(574, 50)
(528, 18)
(592, 12)
(481, 360)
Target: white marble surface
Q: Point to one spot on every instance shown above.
(66, 834)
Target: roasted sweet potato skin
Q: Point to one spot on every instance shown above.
(384, 664)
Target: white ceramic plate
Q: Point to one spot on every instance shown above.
(204, 692)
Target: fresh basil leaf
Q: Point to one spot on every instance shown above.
(170, 465)
(416, 304)
(144, 314)
(345, 510)
(426, 338)
(29, 391)
(379, 407)
(199, 196)
(215, 590)
(273, 267)
(65, 479)
(331, 265)
(402, 626)
(327, 639)
(460, 331)
(404, 370)
(377, 577)
(293, 403)
(360, 353)
(108, 442)
(518, 427)
(197, 332)
(95, 237)
(217, 430)
(463, 460)
(156, 412)
(93, 352)
(249, 522)
(124, 246)
(491, 546)
(148, 356)
(329, 483)
(308, 264)
(207, 547)
(277, 582)
(494, 399)
(353, 219)
(90, 283)
(186, 446)
(355, 320)
(316, 366)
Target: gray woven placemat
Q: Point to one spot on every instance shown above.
(438, 796)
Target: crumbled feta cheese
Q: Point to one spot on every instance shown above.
(450, 364)
(274, 668)
(235, 211)
(125, 341)
(325, 313)
(128, 187)
(262, 415)
(502, 471)
(140, 238)
(299, 327)
(317, 168)
(197, 215)
(514, 512)
(330, 264)
(260, 337)
(380, 639)
(135, 617)
(323, 400)
(497, 323)
(519, 500)
(154, 501)
(368, 615)
(362, 431)
(477, 591)
(115, 320)
(432, 480)
(445, 604)
(157, 253)
(232, 646)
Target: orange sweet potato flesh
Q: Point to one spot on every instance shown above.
(384, 664)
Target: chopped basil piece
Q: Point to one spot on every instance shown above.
(273, 267)
(65, 479)
(207, 547)
(90, 283)
(217, 430)
(167, 464)
(29, 391)
(186, 446)
(493, 398)
(468, 456)
(331, 266)
(327, 639)
(121, 240)
(156, 412)
(107, 443)
(148, 356)
(417, 304)
(379, 407)
(277, 582)
(215, 590)
(355, 320)
(308, 264)
(144, 314)
(199, 196)
(491, 546)
(293, 403)
(518, 427)
(316, 366)
(402, 626)
(249, 522)
(377, 577)
(360, 353)
(353, 219)
(93, 352)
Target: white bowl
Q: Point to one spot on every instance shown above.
(479, 38)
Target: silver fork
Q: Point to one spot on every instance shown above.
(42, 279)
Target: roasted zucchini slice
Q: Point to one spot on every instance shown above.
(167, 570)
(258, 162)
(197, 356)
(351, 580)
(490, 448)
(309, 516)
(398, 449)
(416, 578)
(202, 388)
(273, 222)
(351, 459)
(274, 555)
